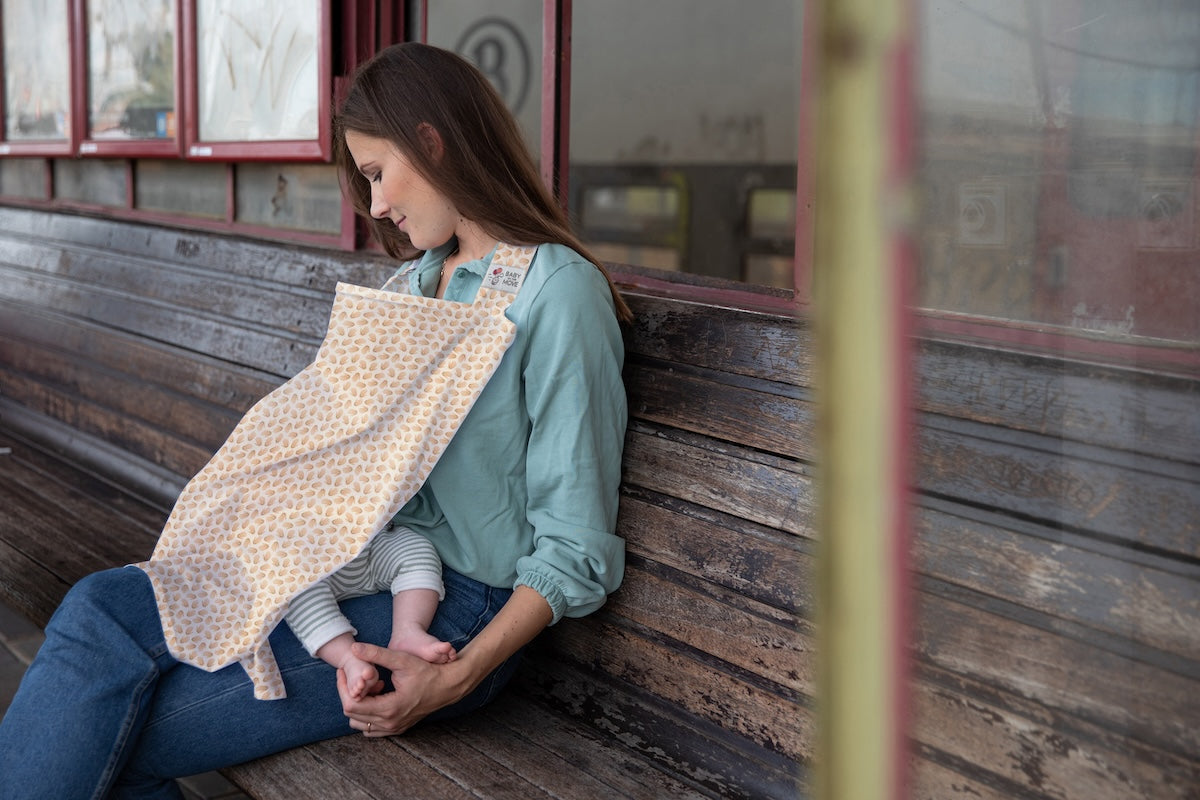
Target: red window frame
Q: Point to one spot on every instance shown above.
(197, 148)
(47, 147)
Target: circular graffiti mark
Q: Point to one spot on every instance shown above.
(499, 50)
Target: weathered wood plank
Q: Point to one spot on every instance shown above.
(1024, 747)
(62, 495)
(28, 586)
(315, 268)
(562, 747)
(67, 533)
(295, 310)
(754, 637)
(197, 375)
(754, 486)
(710, 404)
(52, 532)
(1067, 676)
(1150, 414)
(708, 755)
(1156, 607)
(930, 780)
(29, 464)
(757, 562)
(1125, 496)
(773, 718)
(156, 445)
(245, 343)
(466, 758)
(744, 343)
(138, 400)
(512, 749)
(348, 768)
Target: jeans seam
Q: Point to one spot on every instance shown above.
(122, 739)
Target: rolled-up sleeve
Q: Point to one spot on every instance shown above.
(576, 403)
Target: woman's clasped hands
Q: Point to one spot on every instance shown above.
(418, 689)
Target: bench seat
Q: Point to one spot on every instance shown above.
(62, 521)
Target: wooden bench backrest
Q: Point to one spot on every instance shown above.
(154, 342)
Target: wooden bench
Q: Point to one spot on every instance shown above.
(127, 354)
(1056, 638)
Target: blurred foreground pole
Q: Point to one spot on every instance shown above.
(860, 277)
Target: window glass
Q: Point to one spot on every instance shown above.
(638, 224)
(654, 95)
(131, 69)
(180, 187)
(37, 86)
(23, 177)
(100, 182)
(257, 70)
(504, 39)
(634, 209)
(296, 196)
(1058, 150)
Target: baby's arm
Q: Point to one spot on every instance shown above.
(362, 678)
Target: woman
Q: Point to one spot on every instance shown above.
(521, 506)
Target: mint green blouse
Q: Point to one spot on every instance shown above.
(526, 493)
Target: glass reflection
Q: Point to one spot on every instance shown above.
(131, 69)
(658, 100)
(37, 87)
(1059, 143)
(504, 39)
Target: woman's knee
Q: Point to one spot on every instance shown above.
(107, 587)
(123, 596)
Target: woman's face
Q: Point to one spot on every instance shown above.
(401, 194)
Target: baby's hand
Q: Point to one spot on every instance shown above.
(362, 678)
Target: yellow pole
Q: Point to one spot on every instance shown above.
(857, 319)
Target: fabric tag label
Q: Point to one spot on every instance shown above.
(504, 278)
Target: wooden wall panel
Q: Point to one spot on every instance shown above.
(1100, 680)
(1135, 499)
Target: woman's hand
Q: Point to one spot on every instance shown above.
(420, 689)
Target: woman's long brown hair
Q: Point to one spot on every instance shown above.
(484, 168)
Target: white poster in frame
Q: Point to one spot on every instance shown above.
(258, 70)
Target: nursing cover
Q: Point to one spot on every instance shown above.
(320, 465)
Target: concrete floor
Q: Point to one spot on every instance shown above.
(19, 642)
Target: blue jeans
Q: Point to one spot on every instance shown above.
(105, 711)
